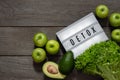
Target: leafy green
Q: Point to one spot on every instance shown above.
(102, 59)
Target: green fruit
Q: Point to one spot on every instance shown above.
(52, 47)
(50, 69)
(116, 35)
(38, 55)
(102, 11)
(40, 39)
(66, 64)
(114, 19)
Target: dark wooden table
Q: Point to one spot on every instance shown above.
(21, 19)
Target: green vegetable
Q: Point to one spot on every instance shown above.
(66, 63)
(101, 59)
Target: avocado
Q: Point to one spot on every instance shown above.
(66, 63)
(50, 69)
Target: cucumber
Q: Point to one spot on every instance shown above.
(66, 63)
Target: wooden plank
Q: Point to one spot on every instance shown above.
(18, 40)
(48, 12)
(23, 68)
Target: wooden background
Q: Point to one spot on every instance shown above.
(21, 19)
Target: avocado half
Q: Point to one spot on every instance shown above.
(50, 69)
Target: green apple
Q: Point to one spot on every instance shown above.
(102, 11)
(38, 55)
(116, 35)
(52, 47)
(40, 39)
(114, 19)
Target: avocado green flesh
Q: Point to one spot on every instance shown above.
(52, 75)
(66, 64)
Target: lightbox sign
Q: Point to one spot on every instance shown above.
(81, 34)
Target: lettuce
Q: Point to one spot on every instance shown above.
(101, 59)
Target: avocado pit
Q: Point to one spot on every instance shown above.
(52, 69)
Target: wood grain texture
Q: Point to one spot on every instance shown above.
(48, 12)
(23, 68)
(19, 40)
(21, 19)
